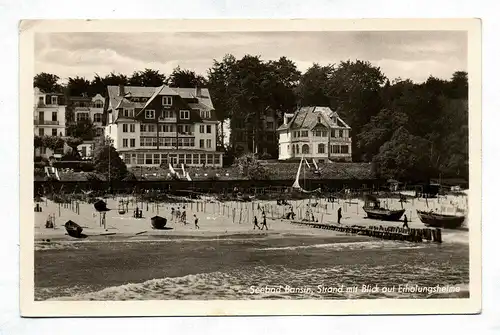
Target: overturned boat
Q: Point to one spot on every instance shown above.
(73, 229)
(374, 211)
(433, 219)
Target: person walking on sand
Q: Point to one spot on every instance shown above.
(264, 224)
(255, 223)
(183, 215)
(405, 222)
(339, 215)
(173, 213)
(196, 222)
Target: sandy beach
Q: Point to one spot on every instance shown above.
(226, 257)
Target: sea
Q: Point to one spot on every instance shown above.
(253, 266)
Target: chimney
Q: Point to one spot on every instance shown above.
(121, 91)
(198, 91)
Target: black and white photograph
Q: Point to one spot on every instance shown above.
(218, 163)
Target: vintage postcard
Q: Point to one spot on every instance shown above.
(250, 167)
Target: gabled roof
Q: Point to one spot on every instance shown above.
(307, 117)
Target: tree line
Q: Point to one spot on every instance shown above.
(409, 130)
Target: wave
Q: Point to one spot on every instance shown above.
(266, 282)
(350, 246)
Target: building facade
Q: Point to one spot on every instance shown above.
(262, 140)
(150, 126)
(49, 119)
(314, 132)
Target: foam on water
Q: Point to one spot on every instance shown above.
(376, 244)
(287, 283)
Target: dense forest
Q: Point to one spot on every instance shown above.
(410, 131)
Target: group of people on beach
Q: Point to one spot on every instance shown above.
(180, 216)
(264, 222)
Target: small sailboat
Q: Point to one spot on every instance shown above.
(296, 185)
(375, 211)
(433, 218)
(438, 220)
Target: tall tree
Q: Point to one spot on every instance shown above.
(312, 89)
(47, 82)
(147, 77)
(219, 77)
(83, 129)
(99, 84)
(78, 86)
(186, 78)
(107, 161)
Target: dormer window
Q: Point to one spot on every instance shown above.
(184, 115)
(150, 114)
(167, 101)
(53, 100)
(319, 119)
(205, 114)
(128, 113)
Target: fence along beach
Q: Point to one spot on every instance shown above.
(223, 224)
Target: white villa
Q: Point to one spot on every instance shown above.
(316, 133)
(154, 125)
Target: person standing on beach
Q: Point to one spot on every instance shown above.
(405, 222)
(196, 222)
(183, 216)
(255, 223)
(173, 213)
(339, 215)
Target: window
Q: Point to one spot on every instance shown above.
(126, 159)
(140, 159)
(164, 158)
(98, 104)
(191, 142)
(125, 142)
(53, 100)
(151, 128)
(149, 159)
(98, 117)
(321, 148)
(156, 159)
(217, 159)
(202, 143)
(128, 113)
(346, 133)
(41, 132)
(210, 159)
(166, 101)
(336, 133)
(304, 133)
(54, 132)
(150, 114)
(335, 149)
(202, 128)
(195, 159)
(54, 116)
(205, 114)
(203, 159)
(132, 128)
(82, 117)
(181, 158)
(167, 114)
(188, 159)
(184, 115)
(209, 129)
(305, 149)
(41, 101)
(132, 142)
(209, 143)
(270, 125)
(143, 128)
(341, 133)
(125, 128)
(344, 149)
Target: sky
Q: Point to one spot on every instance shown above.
(411, 55)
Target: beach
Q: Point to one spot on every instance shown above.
(227, 259)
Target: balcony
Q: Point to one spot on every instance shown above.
(167, 119)
(46, 122)
(340, 139)
(82, 109)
